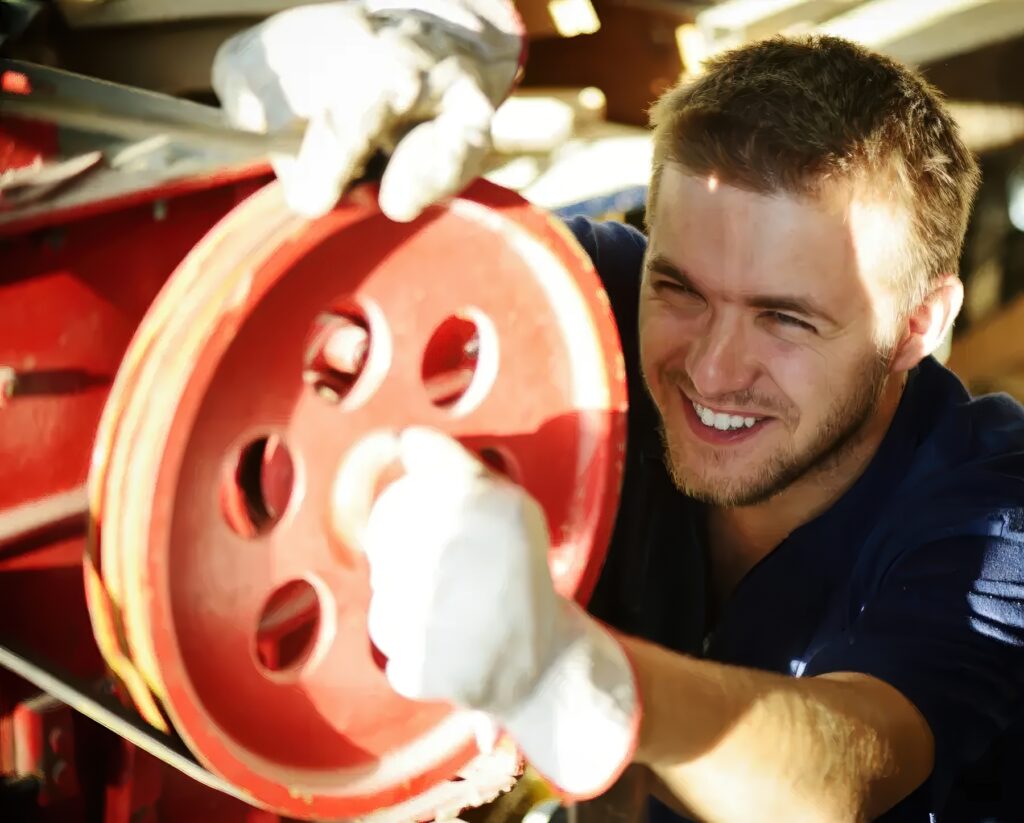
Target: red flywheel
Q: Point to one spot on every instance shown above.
(249, 400)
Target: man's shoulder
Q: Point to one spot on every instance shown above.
(617, 251)
(966, 476)
(967, 436)
(598, 236)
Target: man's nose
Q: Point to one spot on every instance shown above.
(720, 362)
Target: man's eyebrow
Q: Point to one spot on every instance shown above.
(662, 265)
(789, 305)
(770, 302)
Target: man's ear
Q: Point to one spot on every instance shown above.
(929, 323)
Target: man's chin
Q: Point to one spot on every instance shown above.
(722, 488)
(724, 495)
(720, 477)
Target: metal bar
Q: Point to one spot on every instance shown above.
(122, 124)
(38, 515)
(115, 718)
(76, 101)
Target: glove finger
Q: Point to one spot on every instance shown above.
(406, 674)
(430, 454)
(327, 161)
(234, 65)
(437, 159)
(392, 526)
(486, 731)
(354, 489)
(384, 624)
(341, 138)
(254, 77)
(429, 165)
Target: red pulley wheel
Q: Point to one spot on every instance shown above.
(254, 394)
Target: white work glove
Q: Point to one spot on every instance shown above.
(359, 74)
(464, 609)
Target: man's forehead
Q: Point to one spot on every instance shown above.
(705, 217)
(844, 225)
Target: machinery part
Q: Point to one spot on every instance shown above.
(62, 687)
(44, 746)
(32, 518)
(551, 811)
(212, 571)
(33, 104)
(52, 95)
(36, 182)
(531, 800)
(154, 147)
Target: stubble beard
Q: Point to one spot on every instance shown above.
(841, 431)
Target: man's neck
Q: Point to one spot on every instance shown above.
(740, 537)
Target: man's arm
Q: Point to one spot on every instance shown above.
(734, 744)
(937, 649)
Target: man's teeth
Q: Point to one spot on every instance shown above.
(723, 422)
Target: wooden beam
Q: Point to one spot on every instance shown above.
(542, 18)
(99, 13)
(918, 32)
(738, 21)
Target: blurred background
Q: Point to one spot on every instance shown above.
(573, 137)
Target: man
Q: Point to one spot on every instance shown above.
(821, 536)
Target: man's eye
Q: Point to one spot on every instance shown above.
(675, 287)
(792, 322)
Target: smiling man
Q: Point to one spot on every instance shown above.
(817, 573)
(761, 342)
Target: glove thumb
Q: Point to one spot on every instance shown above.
(424, 450)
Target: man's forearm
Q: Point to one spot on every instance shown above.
(734, 744)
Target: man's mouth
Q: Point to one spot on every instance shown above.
(722, 427)
(722, 420)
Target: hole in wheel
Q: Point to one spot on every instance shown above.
(255, 491)
(380, 660)
(500, 461)
(336, 351)
(450, 361)
(288, 628)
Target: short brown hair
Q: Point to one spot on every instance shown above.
(794, 114)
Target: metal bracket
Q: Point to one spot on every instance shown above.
(44, 746)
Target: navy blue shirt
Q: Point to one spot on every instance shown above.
(915, 576)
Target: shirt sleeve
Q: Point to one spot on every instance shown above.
(946, 628)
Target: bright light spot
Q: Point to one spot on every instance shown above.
(573, 17)
(592, 99)
(693, 49)
(712, 182)
(1015, 196)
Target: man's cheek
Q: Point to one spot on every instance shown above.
(802, 379)
(664, 341)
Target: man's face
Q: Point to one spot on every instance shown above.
(760, 322)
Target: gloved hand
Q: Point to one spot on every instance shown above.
(362, 72)
(464, 608)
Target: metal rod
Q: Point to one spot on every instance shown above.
(116, 719)
(38, 515)
(77, 116)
